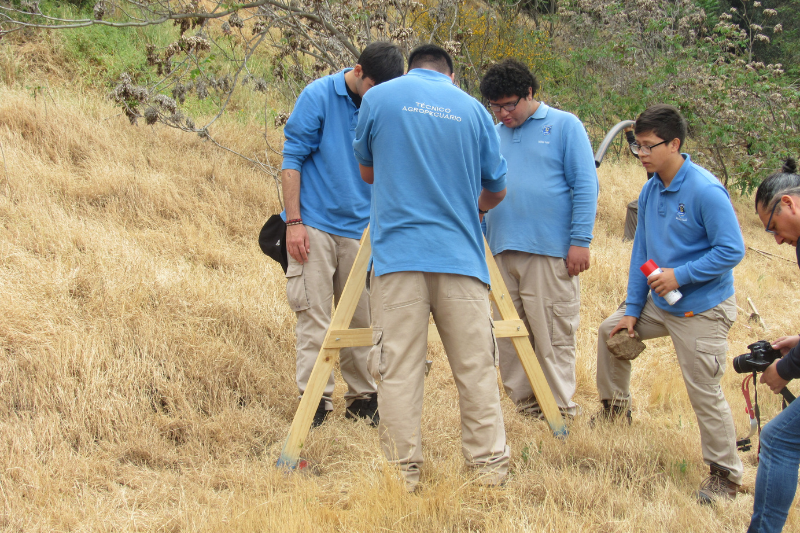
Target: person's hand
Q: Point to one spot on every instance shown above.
(297, 243)
(664, 282)
(784, 344)
(577, 260)
(626, 322)
(772, 379)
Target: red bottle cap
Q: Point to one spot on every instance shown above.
(648, 268)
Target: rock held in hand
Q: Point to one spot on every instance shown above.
(624, 346)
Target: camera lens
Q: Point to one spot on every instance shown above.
(741, 364)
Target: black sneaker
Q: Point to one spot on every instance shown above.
(610, 413)
(320, 415)
(366, 409)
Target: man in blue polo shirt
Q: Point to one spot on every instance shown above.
(327, 209)
(687, 226)
(432, 155)
(540, 234)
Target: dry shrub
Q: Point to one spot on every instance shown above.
(146, 355)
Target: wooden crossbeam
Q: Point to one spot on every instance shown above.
(349, 338)
(340, 336)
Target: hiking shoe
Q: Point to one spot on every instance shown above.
(535, 411)
(610, 413)
(717, 486)
(320, 414)
(366, 409)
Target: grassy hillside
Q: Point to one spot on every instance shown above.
(146, 355)
(146, 350)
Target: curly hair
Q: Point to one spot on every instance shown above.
(508, 78)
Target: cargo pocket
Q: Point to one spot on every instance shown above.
(495, 350)
(376, 364)
(296, 287)
(566, 318)
(710, 361)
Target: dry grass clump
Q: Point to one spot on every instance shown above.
(147, 367)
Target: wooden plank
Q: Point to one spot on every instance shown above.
(342, 316)
(349, 338)
(510, 328)
(544, 396)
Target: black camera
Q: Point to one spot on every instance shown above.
(761, 355)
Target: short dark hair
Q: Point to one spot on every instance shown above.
(432, 57)
(778, 183)
(664, 120)
(508, 78)
(381, 61)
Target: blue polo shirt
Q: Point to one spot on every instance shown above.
(551, 200)
(319, 144)
(432, 148)
(691, 227)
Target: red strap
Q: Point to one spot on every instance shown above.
(746, 392)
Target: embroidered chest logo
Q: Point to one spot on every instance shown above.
(546, 130)
(681, 213)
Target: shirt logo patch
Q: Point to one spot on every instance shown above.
(681, 213)
(546, 130)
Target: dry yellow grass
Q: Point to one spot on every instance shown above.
(147, 367)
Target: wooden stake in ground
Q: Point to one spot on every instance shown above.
(754, 316)
(340, 336)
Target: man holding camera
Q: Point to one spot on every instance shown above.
(778, 207)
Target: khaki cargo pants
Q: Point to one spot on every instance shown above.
(401, 304)
(701, 345)
(548, 301)
(310, 288)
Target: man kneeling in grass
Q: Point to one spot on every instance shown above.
(687, 226)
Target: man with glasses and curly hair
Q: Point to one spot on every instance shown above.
(540, 235)
(687, 226)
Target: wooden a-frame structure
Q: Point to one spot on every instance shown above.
(340, 336)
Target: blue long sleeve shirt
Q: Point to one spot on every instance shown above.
(551, 200)
(319, 144)
(690, 227)
(432, 148)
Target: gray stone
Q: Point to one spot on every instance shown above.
(625, 347)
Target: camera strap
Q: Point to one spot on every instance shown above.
(753, 412)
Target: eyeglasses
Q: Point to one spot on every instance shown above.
(508, 107)
(769, 220)
(643, 149)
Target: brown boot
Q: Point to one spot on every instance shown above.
(717, 486)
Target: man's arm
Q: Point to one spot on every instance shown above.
(493, 165)
(297, 243)
(786, 368)
(489, 200)
(724, 236)
(581, 174)
(367, 173)
(303, 135)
